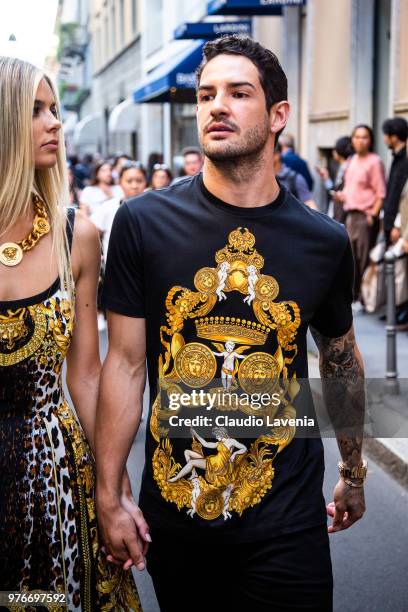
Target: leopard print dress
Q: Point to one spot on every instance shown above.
(48, 528)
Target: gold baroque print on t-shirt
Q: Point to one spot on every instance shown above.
(233, 477)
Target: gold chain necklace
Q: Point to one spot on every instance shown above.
(11, 253)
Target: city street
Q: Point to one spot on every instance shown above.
(370, 561)
(223, 177)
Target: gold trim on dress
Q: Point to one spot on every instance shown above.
(40, 329)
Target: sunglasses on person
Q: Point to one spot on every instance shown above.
(160, 167)
(132, 164)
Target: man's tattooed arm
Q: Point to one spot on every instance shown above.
(342, 374)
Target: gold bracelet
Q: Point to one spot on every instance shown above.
(355, 485)
(355, 472)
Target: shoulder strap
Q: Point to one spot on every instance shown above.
(70, 225)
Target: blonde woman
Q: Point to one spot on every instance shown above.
(49, 264)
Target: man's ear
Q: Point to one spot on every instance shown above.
(278, 116)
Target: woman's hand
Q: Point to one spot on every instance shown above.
(132, 510)
(129, 504)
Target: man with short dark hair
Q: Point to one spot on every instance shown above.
(395, 132)
(216, 280)
(293, 161)
(293, 181)
(192, 163)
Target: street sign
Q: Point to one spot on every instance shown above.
(250, 7)
(208, 31)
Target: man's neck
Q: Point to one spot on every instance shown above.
(244, 187)
(399, 147)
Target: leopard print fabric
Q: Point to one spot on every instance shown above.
(48, 528)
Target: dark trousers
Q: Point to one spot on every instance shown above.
(288, 572)
(362, 237)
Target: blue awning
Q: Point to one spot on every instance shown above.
(249, 7)
(174, 80)
(209, 30)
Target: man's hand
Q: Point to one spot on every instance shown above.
(124, 532)
(322, 172)
(347, 508)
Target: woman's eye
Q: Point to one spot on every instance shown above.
(36, 110)
(54, 111)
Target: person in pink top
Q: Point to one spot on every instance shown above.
(362, 197)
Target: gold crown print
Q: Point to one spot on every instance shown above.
(240, 248)
(236, 330)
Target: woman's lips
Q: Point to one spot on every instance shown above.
(51, 146)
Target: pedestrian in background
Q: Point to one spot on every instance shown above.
(154, 158)
(292, 160)
(342, 152)
(133, 181)
(49, 538)
(161, 176)
(80, 170)
(73, 189)
(192, 163)
(362, 196)
(395, 137)
(118, 161)
(403, 219)
(292, 180)
(102, 188)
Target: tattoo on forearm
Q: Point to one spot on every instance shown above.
(338, 357)
(342, 374)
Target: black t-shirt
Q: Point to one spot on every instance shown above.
(228, 294)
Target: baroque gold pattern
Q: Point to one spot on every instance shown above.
(46, 329)
(232, 482)
(11, 253)
(195, 364)
(258, 373)
(13, 327)
(233, 329)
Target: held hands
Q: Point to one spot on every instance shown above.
(347, 508)
(124, 531)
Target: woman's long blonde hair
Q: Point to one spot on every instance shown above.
(19, 178)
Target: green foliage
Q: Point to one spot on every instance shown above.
(67, 32)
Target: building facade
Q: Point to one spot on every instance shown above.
(346, 63)
(115, 27)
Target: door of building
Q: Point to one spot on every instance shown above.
(382, 44)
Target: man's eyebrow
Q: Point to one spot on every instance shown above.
(241, 84)
(231, 85)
